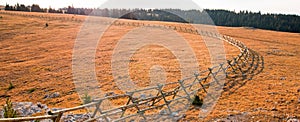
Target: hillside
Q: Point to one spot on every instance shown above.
(37, 60)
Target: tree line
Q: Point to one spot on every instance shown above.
(277, 22)
(32, 8)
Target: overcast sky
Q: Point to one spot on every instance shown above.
(265, 6)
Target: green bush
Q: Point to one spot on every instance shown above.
(9, 111)
(31, 90)
(197, 101)
(11, 86)
(87, 99)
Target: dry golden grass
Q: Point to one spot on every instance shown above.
(35, 57)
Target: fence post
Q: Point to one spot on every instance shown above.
(213, 75)
(59, 117)
(196, 75)
(233, 69)
(163, 95)
(182, 86)
(237, 65)
(129, 99)
(224, 70)
(175, 91)
(97, 108)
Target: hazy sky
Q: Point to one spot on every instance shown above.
(265, 6)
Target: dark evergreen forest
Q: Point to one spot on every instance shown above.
(277, 22)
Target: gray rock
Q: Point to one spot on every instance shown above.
(143, 96)
(1, 114)
(55, 94)
(274, 109)
(46, 96)
(46, 120)
(272, 93)
(162, 112)
(56, 109)
(282, 78)
(101, 120)
(258, 109)
(75, 117)
(293, 120)
(28, 108)
(268, 100)
(42, 106)
(109, 94)
(175, 114)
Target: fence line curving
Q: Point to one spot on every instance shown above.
(237, 70)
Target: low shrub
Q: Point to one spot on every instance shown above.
(9, 111)
(87, 99)
(197, 101)
(31, 90)
(11, 86)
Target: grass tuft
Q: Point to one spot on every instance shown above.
(87, 99)
(11, 86)
(31, 90)
(9, 111)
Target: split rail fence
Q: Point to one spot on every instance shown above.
(241, 68)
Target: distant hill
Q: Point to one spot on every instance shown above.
(277, 22)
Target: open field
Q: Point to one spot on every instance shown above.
(37, 60)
